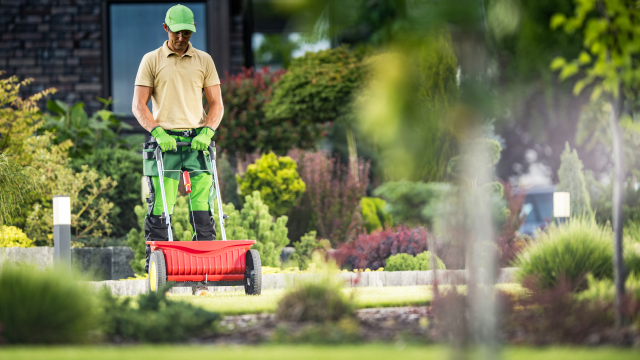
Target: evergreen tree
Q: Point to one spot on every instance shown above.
(572, 180)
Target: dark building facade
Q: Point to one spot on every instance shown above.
(71, 45)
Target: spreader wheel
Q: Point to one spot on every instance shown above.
(253, 274)
(157, 271)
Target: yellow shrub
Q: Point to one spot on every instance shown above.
(11, 236)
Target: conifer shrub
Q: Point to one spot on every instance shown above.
(572, 181)
(305, 248)
(254, 222)
(277, 180)
(44, 306)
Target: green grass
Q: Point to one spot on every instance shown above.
(279, 352)
(236, 302)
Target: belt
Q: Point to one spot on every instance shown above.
(184, 133)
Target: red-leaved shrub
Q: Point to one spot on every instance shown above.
(509, 242)
(332, 199)
(372, 250)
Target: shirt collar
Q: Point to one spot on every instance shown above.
(168, 52)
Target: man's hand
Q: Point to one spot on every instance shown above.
(202, 141)
(165, 141)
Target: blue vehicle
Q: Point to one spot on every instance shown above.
(538, 207)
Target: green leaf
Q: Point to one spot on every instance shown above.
(57, 107)
(584, 58)
(558, 63)
(597, 92)
(568, 71)
(557, 20)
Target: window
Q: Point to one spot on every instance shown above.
(136, 29)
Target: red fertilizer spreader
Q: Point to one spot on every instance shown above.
(202, 263)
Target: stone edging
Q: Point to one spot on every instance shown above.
(365, 279)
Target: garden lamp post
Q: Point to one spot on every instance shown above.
(62, 230)
(561, 205)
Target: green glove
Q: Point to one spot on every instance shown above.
(164, 140)
(202, 141)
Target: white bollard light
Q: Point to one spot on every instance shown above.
(561, 204)
(62, 230)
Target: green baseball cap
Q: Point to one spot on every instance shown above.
(180, 17)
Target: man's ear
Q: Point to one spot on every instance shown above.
(166, 28)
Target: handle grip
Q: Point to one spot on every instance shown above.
(179, 144)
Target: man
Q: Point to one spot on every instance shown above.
(174, 77)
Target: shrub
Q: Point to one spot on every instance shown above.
(136, 241)
(16, 182)
(374, 216)
(44, 306)
(89, 207)
(154, 319)
(305, 248)
(510, 242)
(247, 128)
(276, 179)
(372, 250)
(333, 195)
(317, 299)
(568, 251)
(317, 88)
(572, 180)
(123, 166)
(11, 236)
(406, 262)
(413, 203)
(100, 131)
(254, 222)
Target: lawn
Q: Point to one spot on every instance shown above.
(236, 302)
(279, 352)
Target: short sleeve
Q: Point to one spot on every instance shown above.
(211, 74)
(145, 75)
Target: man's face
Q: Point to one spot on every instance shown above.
(178, 40)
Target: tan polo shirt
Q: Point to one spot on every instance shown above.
(177, 84)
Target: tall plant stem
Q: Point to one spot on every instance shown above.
(353, 154)
(618, 183)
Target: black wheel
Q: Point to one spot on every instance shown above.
(157, 271)
(253, 274)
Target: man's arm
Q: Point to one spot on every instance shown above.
(141, 96)
(216, 108)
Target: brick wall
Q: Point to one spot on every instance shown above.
(58, 43)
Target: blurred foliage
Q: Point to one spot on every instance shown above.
(87, 188)
(567, 252)
(136, 241)
(317, 299)
(602, 290)
(405, 109)
(123, 166)
(153, 318)
(406, 262)
(254, 222)
(413, 203)
(276, 179)
(19, 117)
(228, 182)
(343, 331)
(41, 306)
(276, 49)
(374, 215)
(11, 236)
(306, 247)
(572, 181)
(88, 134)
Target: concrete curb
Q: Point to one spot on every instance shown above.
(282, 281)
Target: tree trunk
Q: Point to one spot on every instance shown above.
(617, 223)
(353, 154)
